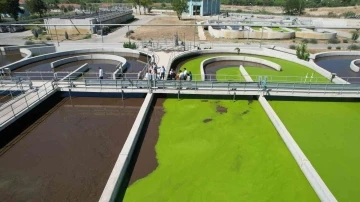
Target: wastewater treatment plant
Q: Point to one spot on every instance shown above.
(101, 124)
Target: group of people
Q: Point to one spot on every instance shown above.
(182, 75)
(154, 73)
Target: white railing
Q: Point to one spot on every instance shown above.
(24, 102)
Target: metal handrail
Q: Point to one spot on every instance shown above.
(22, 104)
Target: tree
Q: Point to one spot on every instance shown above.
(70, 8)
(64, 9)
(179, 6)
(2, 7)
(237, 50)
(355, 36)
(12, 8)
(294, 7)
(302, 52)
(137, 4)
(36, 6)
(163, 5)
(83, 6)
(66, 36)
(147, 5)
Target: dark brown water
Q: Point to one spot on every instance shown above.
(68, 153)
(339, 65)
(10, 57)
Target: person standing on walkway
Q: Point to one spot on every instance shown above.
(101, 73)
(162, 73)
(190, 76)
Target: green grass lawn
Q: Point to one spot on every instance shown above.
(328, 134)
(288, 69)
(235, 156)
(229, 74)
(256, 28)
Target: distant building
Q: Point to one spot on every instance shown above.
(203, 7)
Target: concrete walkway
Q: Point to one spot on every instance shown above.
(201, 33)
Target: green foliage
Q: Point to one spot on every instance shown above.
(329, 47)
(131, 45)
(66, 36)
(354, 47)
(294, 7)
(35, 33)
(179, 6)
(345, 41)
(64, 9)
(305, 40)
(36, 6)
(332, 15)
(48, 38)
(88, 36)
(70, 8)
(349, 14)
(333, 41)
(338, 47)
(292, 46)
(302, 52)
(128, 33)
(355, 36)
(163, 5)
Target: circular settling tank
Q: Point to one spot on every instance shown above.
(339, 65)
(9, 57)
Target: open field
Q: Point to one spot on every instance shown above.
(200, 160)
(160, 32)
(327, 133)
(288, 68)
(229, 74)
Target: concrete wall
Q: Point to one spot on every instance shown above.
(83, 68)
(329, 54)
(236, 34)
(70, 28)
(41, 50)
(237, 58)
(309, 34)
(119, 171)
(264, 52)
(88, 57)
(12, 48)
(124, 51)
(309, 171)
(244, 73)
(355, 65)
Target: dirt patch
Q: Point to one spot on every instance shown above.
(146, 33)
(207, 120)
(245, 112)
(146, 161)
(221, 109)
(69, 152)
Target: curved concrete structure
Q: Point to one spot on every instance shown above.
(124, 51)
(263, 52)
(88, 57)
(237, 58)
(310, 34)
(355, 65)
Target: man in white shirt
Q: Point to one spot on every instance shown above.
(162, 73)
(185, 73)
(101, 73)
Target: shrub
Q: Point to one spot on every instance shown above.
(313, 41)
(332, 14)
(334, 41)
(349, 14)
(238, 11)
(163, 5)
(35, 33)
(345, 41)
(130, 45)
(354, 47)
(292, 46)
(88, 36)
(305, 40)
(48, 38)
(329, 47)
(128, 33)
(132, 37)
(338, 47)
(66, 36)
(29, 43)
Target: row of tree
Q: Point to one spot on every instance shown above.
(10, 7)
